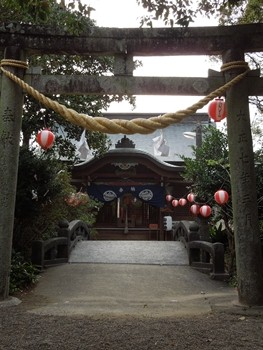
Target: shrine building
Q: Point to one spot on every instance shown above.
(133, 178)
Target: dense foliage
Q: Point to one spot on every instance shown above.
(41, 199)
(183, 13)
(209, 171)
(73, 17)
(23, 274)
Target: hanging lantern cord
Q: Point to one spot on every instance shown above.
(120, 126)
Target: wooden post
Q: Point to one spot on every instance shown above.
(243, 185)
(10, 126)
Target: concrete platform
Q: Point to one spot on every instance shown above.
(122, 289)
(122, 281)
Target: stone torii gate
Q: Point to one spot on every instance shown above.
(22, 41)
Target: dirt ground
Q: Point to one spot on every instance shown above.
(22, 329)
(128, 307)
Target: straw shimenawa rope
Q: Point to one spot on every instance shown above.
(120, 126)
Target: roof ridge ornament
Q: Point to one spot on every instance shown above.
(125, 142)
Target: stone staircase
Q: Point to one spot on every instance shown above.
(130, 252)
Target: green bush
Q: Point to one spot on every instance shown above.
(38, 213)
(23, 274)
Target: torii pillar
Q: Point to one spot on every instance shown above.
(243, 186)
(10, 128)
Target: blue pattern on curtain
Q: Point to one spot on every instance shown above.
(152, 194)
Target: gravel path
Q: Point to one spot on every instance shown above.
(128, 307)
(21, 330)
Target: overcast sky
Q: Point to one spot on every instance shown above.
(125, 14)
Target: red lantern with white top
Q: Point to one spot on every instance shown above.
(194, 209)
(174, 202)
(217, 109)
(191, 197)
(169, 197)
(182, 202)
(221, 197)
(205, 211)
(45, 138)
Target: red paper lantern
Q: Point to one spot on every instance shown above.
(174, 202)
(191, 197)
(217, 109)
(194, 209)
(71, 200)
(221, 196)
(76, 199)
(182, 201)
(205, 210)
(169, 198)
(45, 138)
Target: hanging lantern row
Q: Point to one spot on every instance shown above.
(76, 199)
(220, 196)
(45, 138)
(182, 202)
(204, 210)
(217, 109)
(175, 202)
